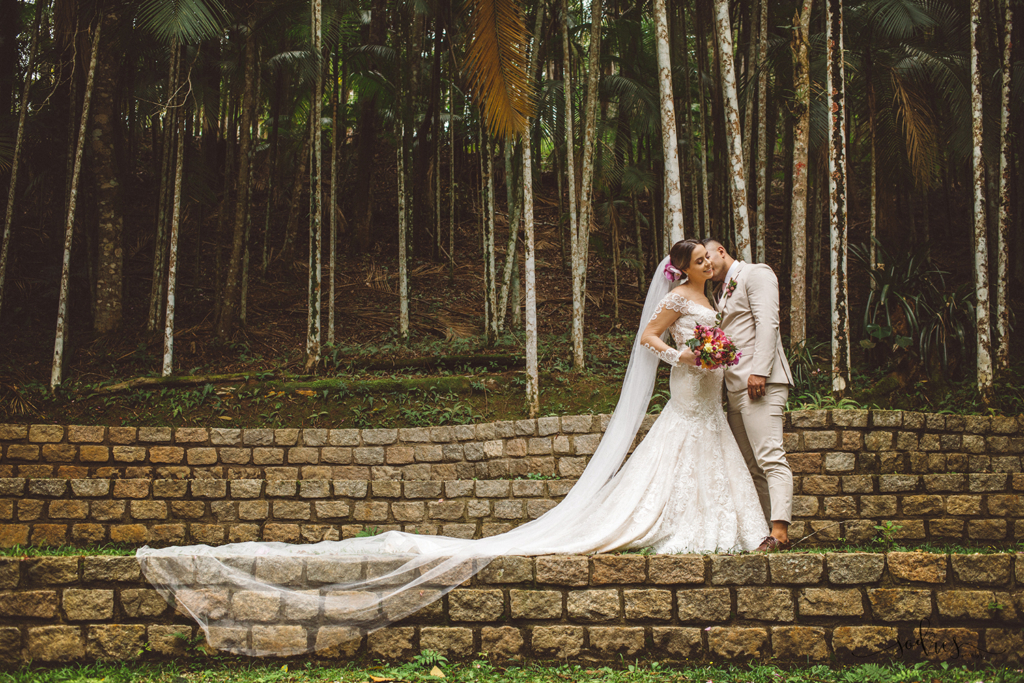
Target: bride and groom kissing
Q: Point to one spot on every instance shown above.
(702, 480)
(745, 297)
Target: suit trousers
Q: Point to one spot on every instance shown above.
(757, 426)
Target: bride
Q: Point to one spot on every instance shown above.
(684, 489)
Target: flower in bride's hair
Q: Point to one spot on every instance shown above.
(672, 273)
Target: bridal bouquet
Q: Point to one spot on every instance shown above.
(712, 348)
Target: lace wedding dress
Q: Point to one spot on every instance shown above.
(684, 489)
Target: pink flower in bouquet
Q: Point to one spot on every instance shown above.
(712, 348)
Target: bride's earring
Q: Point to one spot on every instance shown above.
(684, 279)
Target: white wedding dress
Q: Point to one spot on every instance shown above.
(684, 489)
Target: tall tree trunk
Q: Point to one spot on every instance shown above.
(332, 204)
(696, 224)
(18, 142)
(873, 131)
(451, 176)
(702, 58)
(669, 143)
(1005, 197)
(570, 171)
(489, 260)
(291, 226)
(314, 289)
(403, 240)
(511, 185)
(732, 128)
(801, 137)
(110, 252)
(367, 141)
(532, 373)
(172, 251)
(232, 285)
(835, 87)
(761, 230)
(981, 283)
(57, 369)
(156, 290)
(586, 187)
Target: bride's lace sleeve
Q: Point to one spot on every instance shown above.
(667, 312)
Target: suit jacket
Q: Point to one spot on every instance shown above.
(750, 318)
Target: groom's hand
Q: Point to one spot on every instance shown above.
(755, 386)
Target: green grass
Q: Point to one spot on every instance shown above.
(483, 671)
(67, 550)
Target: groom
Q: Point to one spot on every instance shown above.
(746, 296)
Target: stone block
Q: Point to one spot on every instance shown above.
(508, 569)
(676, 569)
(960, 604)
(141, 603)
(738, 569)
(380, 437)
(612, 640)
(827, 602)
(54, 644)
(923, 567)
(987, 529)
(799, 643)
(952, 644)
(270, 640)
(648, 604)
(88, 604)
(502, 641)
(557, 642)
(864, 641)
(593, 605)
(983, 569)
(475, 605)
(810, 419)
(618, 569)
(456, 642)
(796, 568)
(737, 643)
(853, 568)
(115, 569)
(563, 570)
(52, 570)
(704, 604)
(894, 604)
(166, 639)
(28, 604)
(765, 604)
(923, 505)
(528, 604)
(677, 642)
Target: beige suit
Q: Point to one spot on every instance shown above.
(750, 318)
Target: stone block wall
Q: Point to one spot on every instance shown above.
(942, 478)
(795, 607)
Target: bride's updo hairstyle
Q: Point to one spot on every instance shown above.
(679, 257)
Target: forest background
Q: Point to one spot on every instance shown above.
(495, 182)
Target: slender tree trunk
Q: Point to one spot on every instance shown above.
(333, 203)
(801, 137)
(291, 226)
(732, 129)
(156, 291)
(451, 176)
(403, 239)
(697, 226)
(981, 283)
(110, 252)
(532, 373)
(835, 87)
(232, 285)
(57, 370)
(511, 185)
(275, 144)
(749, 23)
(873, 130)
(172, 252)
(586, 187)
(669, 143)
(761, 229)
(492, 285)
(570, 170)
(315, 287)
(1005, 198)
(367, 141)
(18, 142)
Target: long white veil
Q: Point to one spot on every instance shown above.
(267, 598)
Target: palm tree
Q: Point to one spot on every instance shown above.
(981, 282)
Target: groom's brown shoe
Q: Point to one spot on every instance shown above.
(770, 544)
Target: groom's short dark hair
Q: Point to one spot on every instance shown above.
(711, 243)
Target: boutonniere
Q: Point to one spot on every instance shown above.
(730, 287)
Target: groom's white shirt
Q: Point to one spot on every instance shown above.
(733, 269)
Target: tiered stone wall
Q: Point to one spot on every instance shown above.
(796, 607)
(943, 478)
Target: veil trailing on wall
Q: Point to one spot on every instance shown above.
(266, 598)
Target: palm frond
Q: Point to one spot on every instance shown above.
(188, 21)
(913, 112)
(497, 65)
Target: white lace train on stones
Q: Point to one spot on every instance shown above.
(685, 488)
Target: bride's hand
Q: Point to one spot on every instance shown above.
(686, 357)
